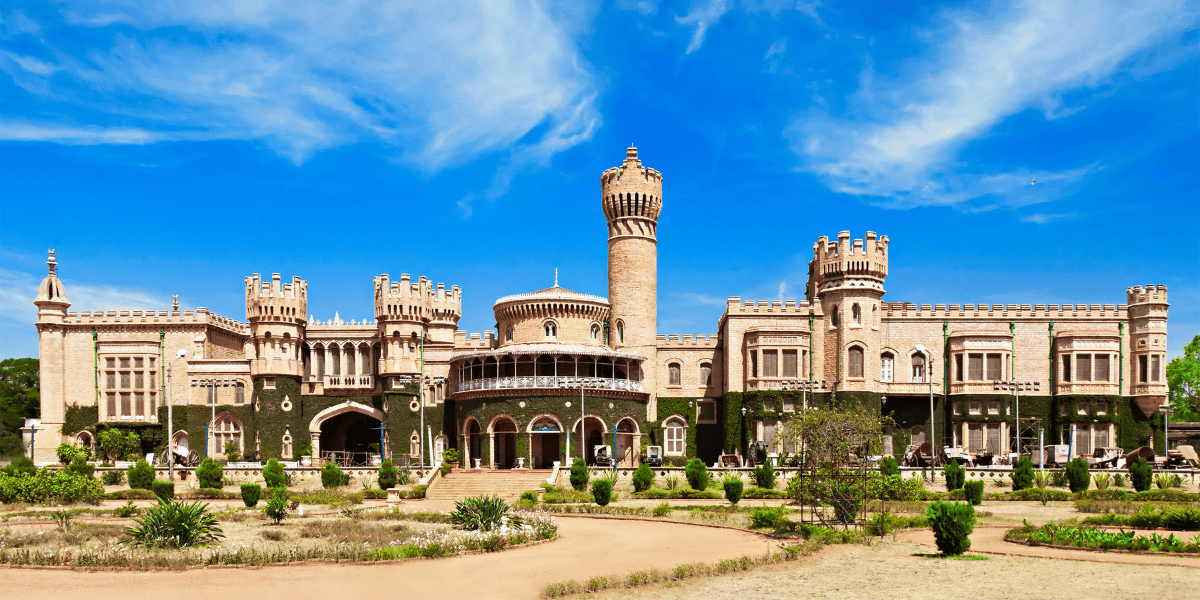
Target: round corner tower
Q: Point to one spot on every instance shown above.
(631, 196)
(278, 315)
(846, 277)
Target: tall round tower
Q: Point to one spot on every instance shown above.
(278, 315)
(631, 196)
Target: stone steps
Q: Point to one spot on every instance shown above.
(509, 486)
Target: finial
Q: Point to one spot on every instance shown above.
(53, 264)
(175, 302)
(631, 152)
(555, 276)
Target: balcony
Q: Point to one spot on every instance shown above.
(902, 388)
(550, 382)
(349, 382)
(1092, 388)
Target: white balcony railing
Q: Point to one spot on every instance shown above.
(350, 382)
(591, 383)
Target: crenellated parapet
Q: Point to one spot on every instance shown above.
(276, 302)
(1150, 294)
(418, 302)
(631, 197)
(860, 263)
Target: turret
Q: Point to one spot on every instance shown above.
(277, 313)
(846, 277)
(1148, 345)
(405, 310)
(52, 307)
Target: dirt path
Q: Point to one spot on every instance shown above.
(990, 540)
(588, 547)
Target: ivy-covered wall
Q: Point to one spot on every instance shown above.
(1134, 429)
(683, 407)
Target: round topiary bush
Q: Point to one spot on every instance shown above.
(764, 476)
(1078, 476)
(697, 474)
(888, 465)
(388, 475)
(210, 474)
(643, 478)
(273, 474)
(602, 491)
(141, 475)
(1022, 477)
(331, 476)
(973, 492)
(733, 490)
(952, 524)
(1140, 474)
(250, 494)
(956, 476)
(579, 475)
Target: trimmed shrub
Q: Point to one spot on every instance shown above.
(764, 476)
(210, 474)
(250, 494)
(733, 490)
(141, 475)
(274, 475)
(697, 474)
(417, 491)
(952, 524)
(955, 475)
(277, 505)
(50, 487)
(332, 476)
(80, 467)
(1118, 480)
(1022, 477)
(643, 478)
(20, 464)
(388, 475)
(1078, 476)
(68, 453)
(130, 495)
(112, 477)
(579, 475)
(889, 466)
(973, 491)
(602, 491)
(163, 490)
(1140, 474)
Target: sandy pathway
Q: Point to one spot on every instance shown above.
(588, 547)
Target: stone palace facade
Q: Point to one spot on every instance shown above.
(566, 367)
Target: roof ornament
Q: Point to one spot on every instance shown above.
(175, 302)
(555, 276)
(53, 264)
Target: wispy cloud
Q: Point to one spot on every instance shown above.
(703, 14)
(899, 140)
(694, 298)
(1042, 218)
(440, 83)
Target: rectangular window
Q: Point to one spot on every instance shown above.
(674, 440)
(1102, 409)
(1143, 369)
(705, 375)
(151, 362)
(110, 380)
(124, 363)
(975, 407)
(789, 363)
(137, 363)
(975, 367)
(110, 363)
(1101, 438)
(1083, 367)
(124, 380)
(1155, 372)
(769, 435)
(139, 403)
(770, 361)
(153, 405)
(112, 405)
(975, 437)
(706, 411)
(1101, 361)
(958, 408)
(769, 404)
(958, 367)
(239, 394)
(789, 404)
(150, 375)
(995, 367)
(673, 374)
(886, 364)
(753, 363)
(1066, 368)
(1083, 441)
(994, 407)
(993, 438)
(856, 362)
(126, 409)
(269, 383)
(139, 380)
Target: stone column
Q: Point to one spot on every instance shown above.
(492, 449)
(316, 445)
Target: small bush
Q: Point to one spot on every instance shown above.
(766, 517)
(141, 475)
(388, 475)
(210, 474)
(47, 486)
(758, 493)
(1041, 478)
(1022, 478)
(277, 505)
(1118, 480)
(602, 491)
(955, 475)
(232, 454)
(672, 481)
(250, 494)
(80, 467)
(274, 474)
(643, 478)
(952, 524)
(130, 495)
(764, 476)
(697, 474)
(662, 510)
(528, 497)
(889, 466)
(113, 477)
(126, 511)
(579, 475)
(163, 490)
(1140, 474)
(175, 525)
(450, 455)
(417, 491)
(332, 476)
(733, 490)
(1038, 494)
(68, 453)
(1078, 476)
(973, 491)
(1103, 480)
(20, 464)
(479, 513)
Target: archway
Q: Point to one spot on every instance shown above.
(504, 443)
(473, 442)
(545, 438)
(625, 442)
(594, 436)
(347, 433)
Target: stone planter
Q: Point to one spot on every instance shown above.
(306, 461)
(376, 460)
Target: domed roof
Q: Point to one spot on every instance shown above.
(52, 289)
(553, 293)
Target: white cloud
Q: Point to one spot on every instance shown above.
(701, 16)
(441, 82)
(703, 299)
(900, 138)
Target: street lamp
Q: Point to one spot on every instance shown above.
(745, 436)
(1166, 412)
(929, 375)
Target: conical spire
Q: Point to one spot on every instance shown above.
(52, 289)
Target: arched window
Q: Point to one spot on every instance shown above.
(855, 315)
(887, 364)
(833, 316)
(595, 332)
(856, 361)
(227, 430)
(673, 374)
(918, 368)
(414, 444)
(509, 334)
(620, 332)
(674, 437)
(239, 393)
(705, 374)
(287, 446)
(551, 329)
(439, 445)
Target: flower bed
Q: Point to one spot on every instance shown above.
(1074, 536)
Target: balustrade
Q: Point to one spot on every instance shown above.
(596, 383)
(356, 382)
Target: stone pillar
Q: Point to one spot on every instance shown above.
(492, 449)
(316, 445)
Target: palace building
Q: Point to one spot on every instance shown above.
(567, 369)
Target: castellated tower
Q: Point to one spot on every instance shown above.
(631, 197)
(405, 310)
(1148, 346)
(278, 315)
(847, 277)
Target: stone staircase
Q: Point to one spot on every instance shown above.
(506, 484)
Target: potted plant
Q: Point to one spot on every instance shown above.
(450, 457)
(376, 457)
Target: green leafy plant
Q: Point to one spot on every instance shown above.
(1140, 474)
(952, 524)
(450, 456)
(163, 490)
(528, 497)
(141, 475)
(1022, 477)
(277, 505)
(388, 475)
(1078, 476)
(697, 474)
(250, 494)
(81, 467)
(445, 469)
(888, 466)
(767, 517)
(1118, 480)
(175, 525)
(733, 489)
(579, 475)
(126, 511)
(1164, 480)
(672, 481)
(274, 474)
(210, 474)
(1058, 478)
(643, 478)
(1102, 480)
(602, 491)
(117, 443)
(48, 486)
(955, 475)
(67, 453)
(973, 491)
(20, 464)
(764, 476)
(367, 482)
(479, 513)
(62, 518)
(232, 454)
(112, 477)
(662, 510)
(332, 476)
(1041, 478)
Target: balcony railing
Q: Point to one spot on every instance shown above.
(591, 383)
(350, 382)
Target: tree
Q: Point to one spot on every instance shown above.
(1183, 381)
(20, 399)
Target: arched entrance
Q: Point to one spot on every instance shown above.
(545, 439)
(347, 434)
(627, 440)
(594, 437)
(504, 442)
(473, 442)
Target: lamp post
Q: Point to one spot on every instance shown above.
(932, 427)
(1166, 412)
(1015, 387)
(745, 448)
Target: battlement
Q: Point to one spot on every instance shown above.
(473, 341)
(1148, 294)
(846, 258)
(675, 340)
(418, 301)
(1004, 311)
(734, 306)
(276, 301)
(631, 190)
(200, 316)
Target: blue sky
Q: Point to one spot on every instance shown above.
(166, 149)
